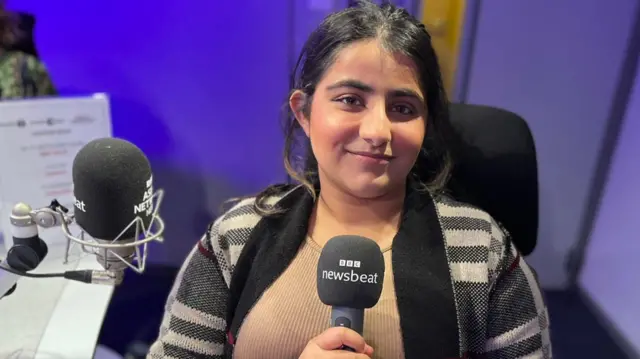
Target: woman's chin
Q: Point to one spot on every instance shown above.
(369, 188)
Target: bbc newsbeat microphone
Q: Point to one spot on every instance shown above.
(350, 276)
(115, 208)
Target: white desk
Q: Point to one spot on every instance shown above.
(53, 318)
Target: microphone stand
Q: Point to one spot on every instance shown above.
(25, 254)
(29, 250)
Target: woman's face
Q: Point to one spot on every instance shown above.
(367, 121)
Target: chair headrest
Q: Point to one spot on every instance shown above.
(496, 169)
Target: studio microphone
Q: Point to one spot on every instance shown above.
(114, 200)
(115, 207)
(350, 277)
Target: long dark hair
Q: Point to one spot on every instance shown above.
(399, 32)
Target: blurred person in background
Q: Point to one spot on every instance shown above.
(368, 107)
(22, 75)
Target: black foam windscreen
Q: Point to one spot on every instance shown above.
(350, 272)
(112, 185)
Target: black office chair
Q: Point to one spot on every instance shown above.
(497, 169)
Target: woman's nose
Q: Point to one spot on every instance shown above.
(375, 128)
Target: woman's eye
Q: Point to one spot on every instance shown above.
(350, 100)
(403, 109)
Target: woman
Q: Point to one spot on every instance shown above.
(367, 98)
(21, 75)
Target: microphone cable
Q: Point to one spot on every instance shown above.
(84, 276)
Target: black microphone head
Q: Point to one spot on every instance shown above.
(112, 185)
(350, 272)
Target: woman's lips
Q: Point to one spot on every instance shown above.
(372, 157)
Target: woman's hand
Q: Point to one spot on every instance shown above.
(327, 345)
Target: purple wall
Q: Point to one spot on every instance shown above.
(556, 63)
(611, 272)
(198, 85)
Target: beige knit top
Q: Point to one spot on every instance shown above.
(290, 313)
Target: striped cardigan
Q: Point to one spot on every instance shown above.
(463, 291)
